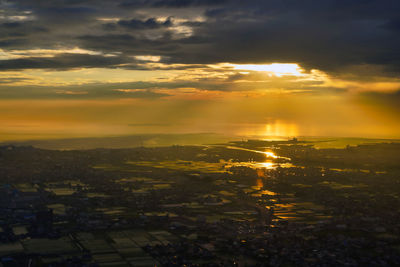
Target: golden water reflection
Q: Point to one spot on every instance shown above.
(271, 155)
(267, 165)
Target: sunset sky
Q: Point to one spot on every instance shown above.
(79, 68)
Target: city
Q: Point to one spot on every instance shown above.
(244, 203)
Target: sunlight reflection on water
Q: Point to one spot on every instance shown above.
(269, 165)
(271, 155)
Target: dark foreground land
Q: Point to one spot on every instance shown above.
(220, 205)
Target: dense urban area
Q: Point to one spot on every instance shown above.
(243, 203)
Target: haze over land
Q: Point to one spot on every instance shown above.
(267, 68)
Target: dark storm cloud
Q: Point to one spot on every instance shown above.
(11, 25)
(137, 24)
(151, 23)
(186, 3)
(19, 29)
(62, 62)
(130, 45)
(66, 15)
(13, 42)
(393, 25)
(170, 3)
(328, 34)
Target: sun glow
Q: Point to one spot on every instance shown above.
(277, 69)
(279, 128)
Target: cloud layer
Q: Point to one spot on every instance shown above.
(329, 35)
